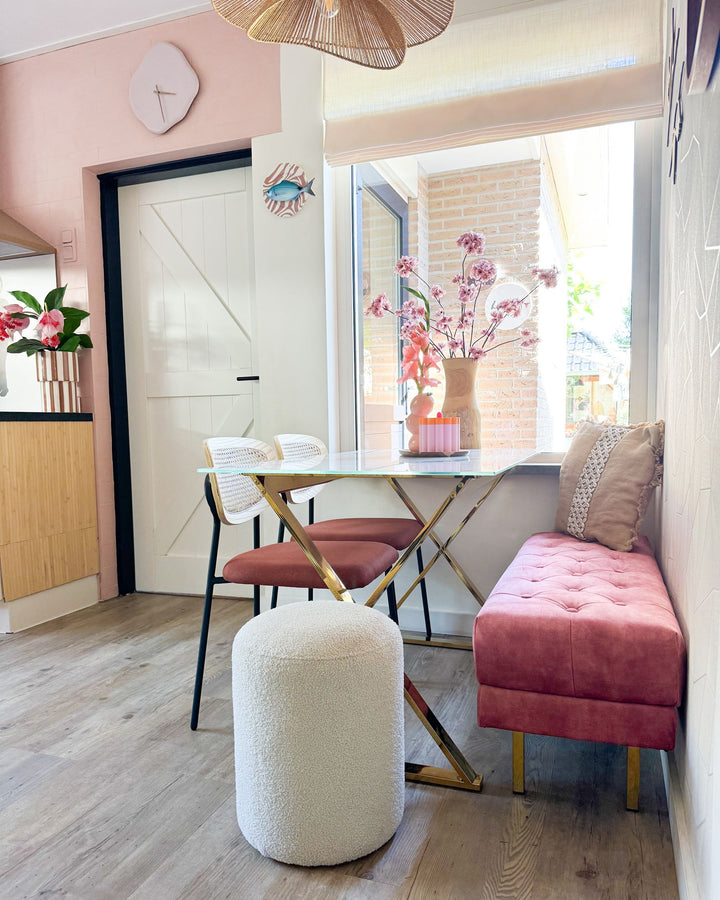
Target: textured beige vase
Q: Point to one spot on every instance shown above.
(460, 399)
(58, 375)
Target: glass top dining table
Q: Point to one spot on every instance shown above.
(274, 478)
(390, 464)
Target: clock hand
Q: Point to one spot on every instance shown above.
(157, 93)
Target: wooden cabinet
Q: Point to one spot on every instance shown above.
(48, 517)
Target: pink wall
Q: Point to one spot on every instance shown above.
(65, 116)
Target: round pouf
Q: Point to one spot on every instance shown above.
(319, 733)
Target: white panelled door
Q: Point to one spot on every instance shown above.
(187, 277)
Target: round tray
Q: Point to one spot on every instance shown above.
(432, 455)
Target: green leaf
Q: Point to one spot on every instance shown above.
(55, 297)
(70, 344)
(73, 317)
(23, 315)
(85, 341)
(415, 293)
(27, 300)
(26, 345)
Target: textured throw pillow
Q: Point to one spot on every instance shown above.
(606, 479)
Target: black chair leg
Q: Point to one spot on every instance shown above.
(256, 587)
(204, 631)
(280, 539)
(311, 521)
(423, 591)
(392, 602)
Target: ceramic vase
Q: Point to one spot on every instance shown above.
(420, 408)
(460, 399)
(59, 375)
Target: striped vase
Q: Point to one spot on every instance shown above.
(58, 375)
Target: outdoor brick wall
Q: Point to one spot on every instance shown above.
(520, 391)
(503, 202)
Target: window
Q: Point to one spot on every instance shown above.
(563, 199)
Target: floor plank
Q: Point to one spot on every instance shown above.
(106, 793)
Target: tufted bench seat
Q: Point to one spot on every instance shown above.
(580, 641)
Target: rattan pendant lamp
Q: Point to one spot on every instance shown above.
(373, 33)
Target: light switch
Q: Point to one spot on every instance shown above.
(68, 251)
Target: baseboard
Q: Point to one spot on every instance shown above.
(26, 612)
(688, 886)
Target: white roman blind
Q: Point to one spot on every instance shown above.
(545, 67)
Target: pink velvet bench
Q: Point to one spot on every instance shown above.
(580, 641)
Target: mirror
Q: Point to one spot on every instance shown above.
(19, 389)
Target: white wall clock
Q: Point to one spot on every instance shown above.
(163, 88)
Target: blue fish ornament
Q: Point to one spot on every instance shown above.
(286, 191)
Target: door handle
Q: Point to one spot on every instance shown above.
(248, 378)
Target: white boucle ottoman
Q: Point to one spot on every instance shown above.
(319, 732)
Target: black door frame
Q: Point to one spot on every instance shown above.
(109, 184)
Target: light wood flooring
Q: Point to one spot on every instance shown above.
(106, 793)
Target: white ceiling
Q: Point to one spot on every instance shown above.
(38, 26)
(29, 27)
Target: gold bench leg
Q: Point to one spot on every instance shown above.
(633, 778)
(518, 744)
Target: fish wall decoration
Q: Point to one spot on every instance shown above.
(286, 188)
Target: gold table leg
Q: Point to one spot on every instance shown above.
(632, 801)
(462, 775)
(442, 546)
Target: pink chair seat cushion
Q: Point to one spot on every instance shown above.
(357, 563)
(577, 619)
(398, 533)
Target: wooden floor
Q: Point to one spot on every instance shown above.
(106, 793)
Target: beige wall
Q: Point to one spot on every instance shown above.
(689, 401)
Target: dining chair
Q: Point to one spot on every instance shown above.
(397, 532)
(234, 498)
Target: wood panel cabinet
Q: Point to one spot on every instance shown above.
(48, 517)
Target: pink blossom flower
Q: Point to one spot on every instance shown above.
(411, 310)
(405, 266)
(431, 359)
(454, 344)
(465, 293)
(484, 271)
(443, 321)
(476, 353)
(530, 342)
(16, 324)
(50, 324)
(525, 332)
(437, 292)
(424, 381)
(379, 306)
(51, 341)
(420, 338)
(458, 279)
(472, 242)
(549, 277)
(466, 318)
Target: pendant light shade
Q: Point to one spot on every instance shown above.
(373, 33)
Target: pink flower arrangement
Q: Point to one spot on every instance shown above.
(434, 334)
(56, 324)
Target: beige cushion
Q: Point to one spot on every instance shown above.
(606, 480)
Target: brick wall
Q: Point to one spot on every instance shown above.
(503, 202)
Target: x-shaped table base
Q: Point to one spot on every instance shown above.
(461, 775)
